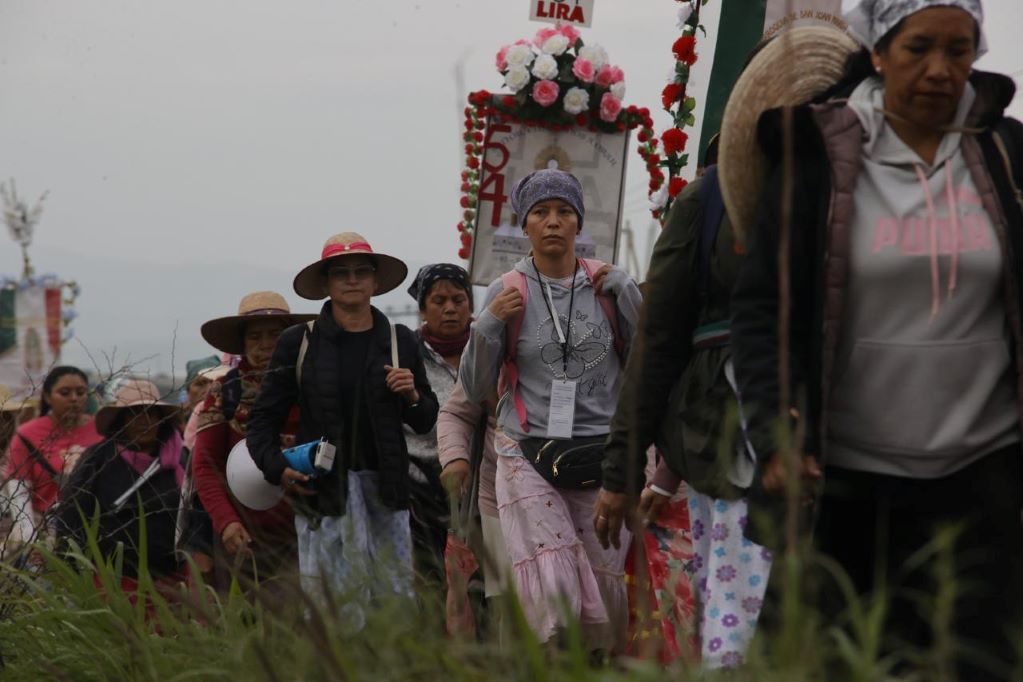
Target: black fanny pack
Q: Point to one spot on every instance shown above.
(569, 464)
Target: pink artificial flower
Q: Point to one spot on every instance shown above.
(617, 75)
(543, 34)
(569, 32)
(502, 64)
(605, 76)
(583, 70)
(545, 93)
(610, 107)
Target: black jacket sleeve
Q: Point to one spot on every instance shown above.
(662, 347)
(423, 416)
(278, 393)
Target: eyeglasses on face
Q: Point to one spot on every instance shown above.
(359, 272)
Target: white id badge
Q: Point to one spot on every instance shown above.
(561, 419)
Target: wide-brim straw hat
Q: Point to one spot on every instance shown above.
(311, 281)
(132, 393)
(225, 333)
(792, 69)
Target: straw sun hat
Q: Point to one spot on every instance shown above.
(132, 393)
(311, 281)
(790, 70)
(225, 333)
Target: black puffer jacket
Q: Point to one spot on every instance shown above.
(319, 402)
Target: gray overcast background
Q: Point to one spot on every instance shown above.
(197, 150)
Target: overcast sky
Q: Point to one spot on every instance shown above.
(196, 150)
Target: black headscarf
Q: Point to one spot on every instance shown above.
(431, 274)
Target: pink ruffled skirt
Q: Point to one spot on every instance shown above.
(559, 569)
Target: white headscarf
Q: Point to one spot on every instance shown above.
(871, 20)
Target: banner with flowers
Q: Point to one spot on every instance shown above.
(34, 319)
(512, 151)
(563, 108)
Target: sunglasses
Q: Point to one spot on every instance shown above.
(359, 272)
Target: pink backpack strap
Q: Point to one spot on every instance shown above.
(508, 381)
(591, 266)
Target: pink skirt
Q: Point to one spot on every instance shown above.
(559, 569)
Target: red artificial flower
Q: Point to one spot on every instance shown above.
(465, 175)
(464, 202)
(674, 140)
(509, 101)
(477, 136)
(466, 239)
(463, 253)
(685, 49)
(581, 119)
(465, 186)
(642, 136)
(473, 162)
(675, 186)
(461, 227)
(644, 112)
(672, 93)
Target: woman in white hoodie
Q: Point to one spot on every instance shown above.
(905, 337)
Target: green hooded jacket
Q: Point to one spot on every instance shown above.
(674, 395)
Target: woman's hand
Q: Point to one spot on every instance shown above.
(235, 538)
(455, 476)
(598, 279)
(292, 481)
(776, 473)
(403, 382)
(651, 505)
(506, 304)
(609, 515)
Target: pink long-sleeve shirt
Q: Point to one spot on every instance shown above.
(456, 425)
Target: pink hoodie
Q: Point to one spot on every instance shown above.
(456, 425)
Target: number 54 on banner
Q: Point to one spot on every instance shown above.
(575, 12)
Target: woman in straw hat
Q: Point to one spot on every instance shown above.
(132, 480)
(44, 452)
(357, 380)
(900, 246)
(555, 330)
(260, 542)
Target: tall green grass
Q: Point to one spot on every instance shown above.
(59, 626)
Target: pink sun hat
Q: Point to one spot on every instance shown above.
(311, 281)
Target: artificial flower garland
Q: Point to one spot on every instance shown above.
(681, 106)
(557, 82)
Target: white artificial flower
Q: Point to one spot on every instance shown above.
(545, 67)
(516, 78)
(519, 55)
(618, 89)
(577, 101)
(595, 54)
(684, 12)
(659, 199)
(556, 44)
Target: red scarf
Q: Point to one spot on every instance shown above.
(445, 347)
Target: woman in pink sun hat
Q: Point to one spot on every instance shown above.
(357, 380)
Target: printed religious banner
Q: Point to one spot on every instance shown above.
(510, 152)
(30, 337)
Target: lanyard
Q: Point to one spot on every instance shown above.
(565, 336)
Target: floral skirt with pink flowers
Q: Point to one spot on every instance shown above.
(559, 569)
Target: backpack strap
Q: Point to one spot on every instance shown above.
(1008, 137)
(304, 348)
(39, 458)
(590, 267)
(713, 213)
(394, 347)
(508, 381)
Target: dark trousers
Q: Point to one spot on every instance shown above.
(876, 526)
